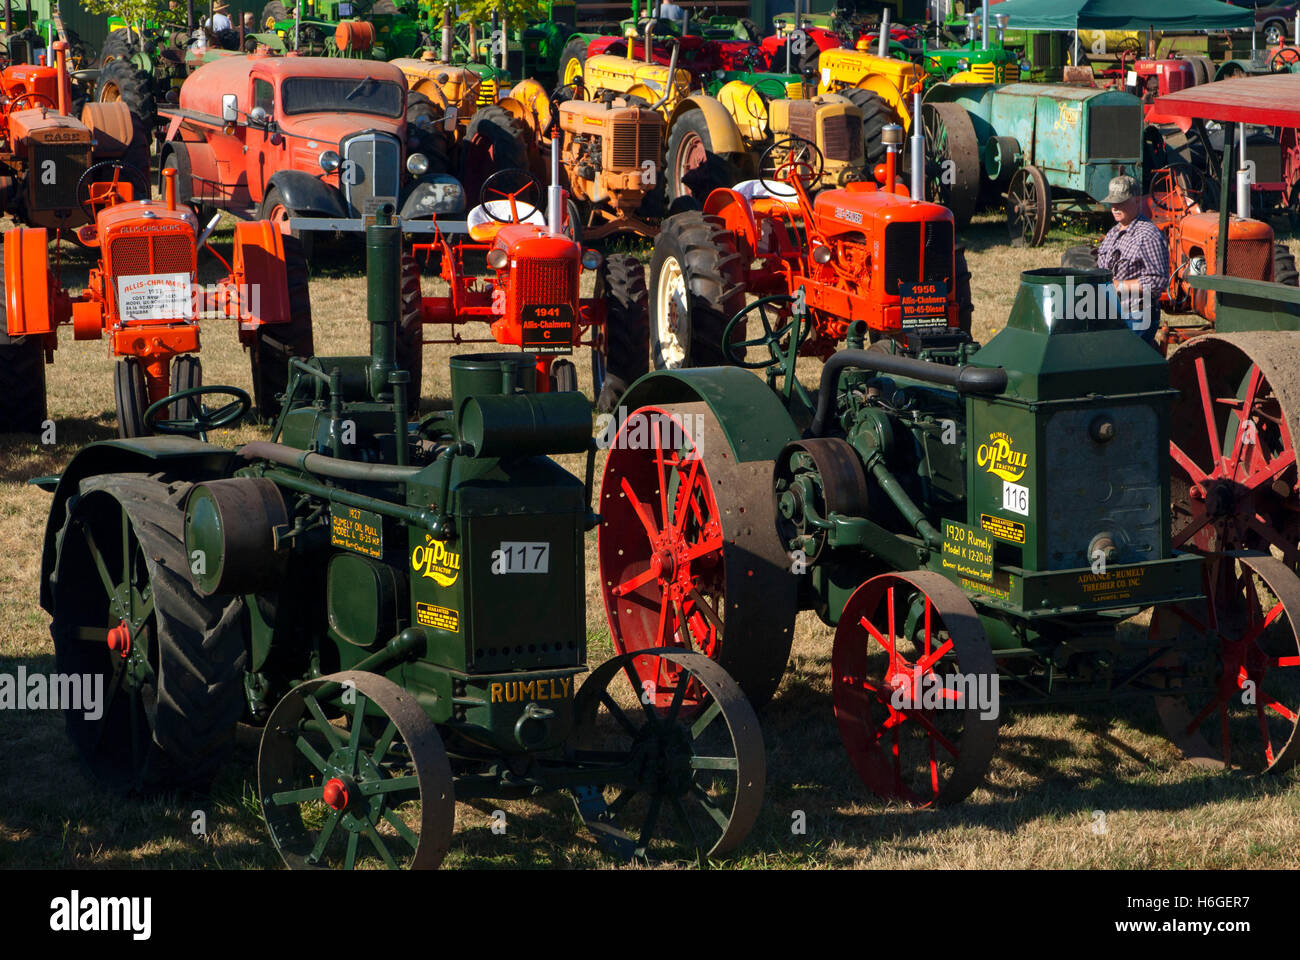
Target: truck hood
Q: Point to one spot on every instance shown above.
(328, 129)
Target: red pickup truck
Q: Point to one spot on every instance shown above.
(314, 143)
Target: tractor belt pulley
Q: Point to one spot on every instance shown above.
(813, 479)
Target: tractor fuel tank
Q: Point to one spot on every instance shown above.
(1069, 467)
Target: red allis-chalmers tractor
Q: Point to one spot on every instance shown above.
(530, 295)
(46, 154)
(144, 296)
(310, 143)
(866, 254)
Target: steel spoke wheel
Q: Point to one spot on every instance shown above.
(1233, 476)
(352, 773)
(1240, 646)
(694, 784)
(910, 666)
(686, 557)
(952, 161)
(1029, 207)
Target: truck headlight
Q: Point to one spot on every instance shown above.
(330, 161)
(497, 258)
(417, 164)
(591, 259)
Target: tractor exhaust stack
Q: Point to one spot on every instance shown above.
(918, 150)
(65, 85)
(649, 30)
(446, 35)
(672, 78)
(554, 195)
(882, 41)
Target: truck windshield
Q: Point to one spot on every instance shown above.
(342, 95)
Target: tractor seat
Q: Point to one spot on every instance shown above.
(766, 197)
(483, 228)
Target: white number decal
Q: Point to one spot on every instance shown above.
(1015, 498)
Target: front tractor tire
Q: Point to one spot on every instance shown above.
(627, 329)
(121, 81)
(691, 167)
(697, 282)
(172, 661)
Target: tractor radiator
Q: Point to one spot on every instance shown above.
(375, 172)
(133, 256)
(633, 142)
(916, 252)
(1250, 259)
(989, 72)
(1268, 161)
(842, 136)
(54, 170)
(543, 281)
(1115, 132)
(803, 121)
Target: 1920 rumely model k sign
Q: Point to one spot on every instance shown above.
(976, 521)
(310, 143)
(342, 585)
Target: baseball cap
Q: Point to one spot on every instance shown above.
(1122, 188)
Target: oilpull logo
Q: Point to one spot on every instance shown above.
(1000, 459)
(76, 914)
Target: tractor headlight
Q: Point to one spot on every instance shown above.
(497, 258)
(821, 254)
(1025, 65)
(591, 259)
(963, 65)
(1196, 267)
(417, 164)
(330, 161)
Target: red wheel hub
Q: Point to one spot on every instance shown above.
(119, 639)
(335, 794)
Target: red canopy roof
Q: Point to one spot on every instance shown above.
(1273, 99)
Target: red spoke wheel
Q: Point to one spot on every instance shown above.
(689, 555)
(1233, 476)
(914, 680)
(377, 792)
(688, 786)
(1246, 631)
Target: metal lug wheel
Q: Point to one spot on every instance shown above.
(1029, 206)
(687, 558)
(1233, 476)
(376, 792)
(1245, 629)
(694, 785)
(908, 653)
(953, 161)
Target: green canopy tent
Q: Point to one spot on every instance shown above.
(1185, 16)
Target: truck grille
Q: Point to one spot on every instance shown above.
(635, 142)
(1115, 132)
(916, 252)
(544, 281)
(842, 133)
(1250, 259)
(70, 162)
(376, 169)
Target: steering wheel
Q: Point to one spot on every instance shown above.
(521, 176)
(204, 419)
(39, 100)
(90, 204)
(1283, 60)
(802, 159)
(764, 99)
(770, 338)
(1176, 179)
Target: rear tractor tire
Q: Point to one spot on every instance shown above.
(627, 328)
(22, 384)
(697, 281)
(875, 116)
(691, 166)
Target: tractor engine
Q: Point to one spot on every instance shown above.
(1193, 251)
(612, 150)
(48, 154)
(830, 121)
(541, 289)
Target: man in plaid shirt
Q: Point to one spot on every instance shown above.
(1137, 255)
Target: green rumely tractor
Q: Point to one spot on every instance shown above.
(1049, 149)
(399, 605)
(985, 527)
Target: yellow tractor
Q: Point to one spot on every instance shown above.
(881, 87)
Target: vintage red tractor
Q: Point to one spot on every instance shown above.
(46, 153)
(866, 253)
(142, 294)
(529, 294)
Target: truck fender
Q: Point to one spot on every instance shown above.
(755, 423)
(723, 132)
(177, 456)
(184, 170)
(201, 159)
(304, 194)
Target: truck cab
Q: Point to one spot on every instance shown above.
(301, 138)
